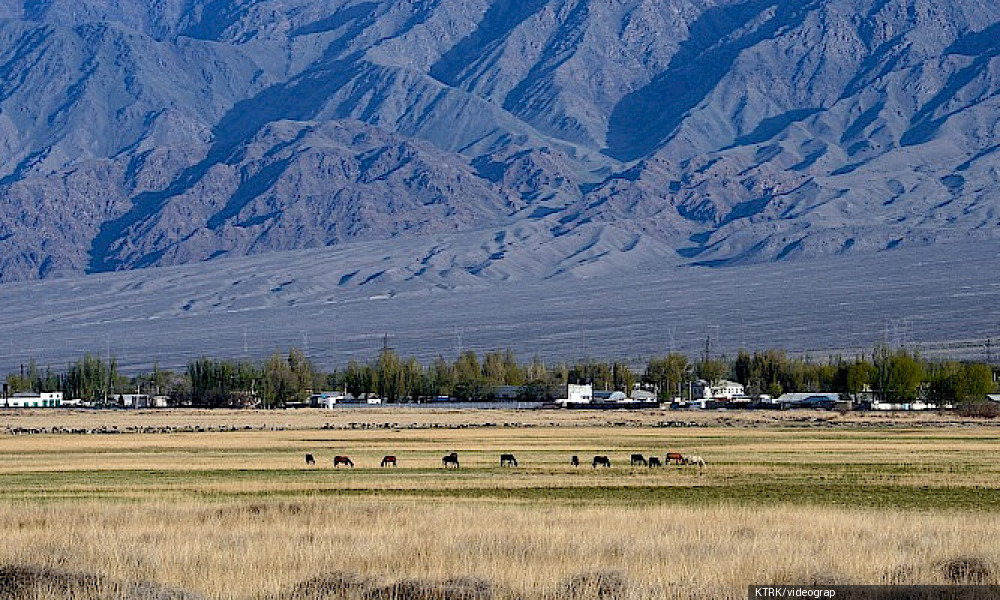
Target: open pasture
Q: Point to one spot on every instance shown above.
(239, 514)
(921, 464)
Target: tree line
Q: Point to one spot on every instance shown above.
(892, 375)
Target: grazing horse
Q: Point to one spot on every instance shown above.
(637, 459)
(342, 460)
(677, 457)
(575, 461)
(604, 461)
(654, 462)
(508, 460)
(695, 460)
(450, 459)
(388, 460)
(310, 460)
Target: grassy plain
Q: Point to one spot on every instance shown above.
(222, 503)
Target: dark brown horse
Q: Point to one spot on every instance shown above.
(637, 459)
(508, 460)
(575, 461)
(388, 460)
(654, 462)
(604, 461)
(450, 459)
(310, 460)
(342, 460)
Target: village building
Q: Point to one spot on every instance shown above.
(642, 395)
(609, 396)
(576, 394)
(328, 399)
(35, 400)
(142, 401)
(723, 390)
(914, 405)
(822, 400)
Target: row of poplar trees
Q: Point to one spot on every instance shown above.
(888, 374)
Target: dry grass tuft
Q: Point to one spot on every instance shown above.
(347, 585)
(337, 585)
(27, 581)
(596, 585)
(980, 410)
(967, 570)
(469, 588)
(260, 508)
(899, 575)
(24, 582)
(460, 588)
(151, 591)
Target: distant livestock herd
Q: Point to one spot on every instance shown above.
(509, 460)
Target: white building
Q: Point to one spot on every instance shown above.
(723, 390)
(610, 396)
(899, 406)
(332, 399)
(35, 400)
(642, 395)
(328, 399)
(143, 401)
(577, 394)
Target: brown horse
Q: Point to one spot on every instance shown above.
(450, 459)
(342, 460)
(388, 460)
(677, 457)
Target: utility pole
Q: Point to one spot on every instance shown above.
(708, 341)
(107, 382)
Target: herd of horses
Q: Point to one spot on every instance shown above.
(450, 460)
(653, 461)
(671, 458)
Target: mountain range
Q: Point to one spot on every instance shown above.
(498, 140)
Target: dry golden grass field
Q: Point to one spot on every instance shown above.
(189, 504)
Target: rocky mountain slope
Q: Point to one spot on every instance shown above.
(562, 136)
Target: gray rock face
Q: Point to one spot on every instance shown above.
(135, 134)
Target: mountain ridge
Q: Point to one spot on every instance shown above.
(721, 133)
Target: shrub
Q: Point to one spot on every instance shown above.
(984, 410)
(967, 570)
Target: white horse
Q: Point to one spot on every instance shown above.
(695, 460)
